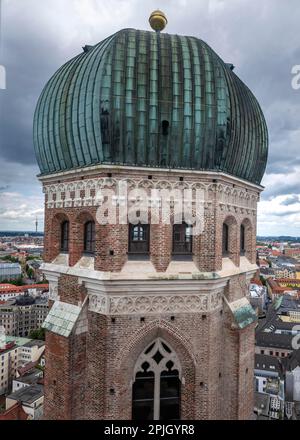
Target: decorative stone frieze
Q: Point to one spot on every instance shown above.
(153, 304)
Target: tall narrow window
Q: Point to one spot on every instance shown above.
(89, 238)
(182, 239)
(165, 128)
(139, 239)
(143, 394)
(243, 249)
(64, 237)
(225, 239)
(157, 384)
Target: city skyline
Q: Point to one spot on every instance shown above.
(264, 55)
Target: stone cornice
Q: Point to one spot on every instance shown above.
(118, 278)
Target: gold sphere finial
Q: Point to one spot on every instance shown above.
(158, 21)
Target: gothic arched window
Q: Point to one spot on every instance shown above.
(89, 238)
(139, 236)
(156, 392)
(64, 236)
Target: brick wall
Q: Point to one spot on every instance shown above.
(93, 372)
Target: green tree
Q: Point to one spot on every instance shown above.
(9, 258)
(30, 273)
(18, 282)
(38, 334)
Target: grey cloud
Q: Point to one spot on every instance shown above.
(282, 189)
(285, 214)
(292, 200)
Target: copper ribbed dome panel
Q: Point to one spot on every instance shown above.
(149, 99)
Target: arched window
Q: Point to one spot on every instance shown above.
(139, 236)
(243, 244)
(89, 238)
(182, 239)
(64, 236)
(225, 240)
(156, 390)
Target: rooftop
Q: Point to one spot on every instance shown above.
(292, 361)
(28, 395)
(267, 363)
(10, 288)
(274, 340)
(34, 343)
(262, 404)
(31, 377)
(13, 342)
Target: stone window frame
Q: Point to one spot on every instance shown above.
(147, 356)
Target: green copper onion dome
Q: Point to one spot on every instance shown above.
(149, 99)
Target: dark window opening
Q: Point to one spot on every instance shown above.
(165, 128)
(64, 237)
(143, 396)
(243, 240)
(182, 239)
(89, 238)
(170, 395)
(225, 240)
(139, 239)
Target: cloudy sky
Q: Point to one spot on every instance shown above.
(260, 37)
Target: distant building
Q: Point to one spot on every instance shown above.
(291, 252)
(30, 249)
(33, 376)
(258, 297)
(262, 406)
(279, 287)
(31, 398)
(285, 272)
(10, 271)
(21, 316)
(275, 334)
(15, 412)
(265, 368)
(9, 291)
(289, 309)
(264, 264)
(14, 354)
(292, 372)
(35, 265)
(267, 273)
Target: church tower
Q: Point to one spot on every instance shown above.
(150, 317)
